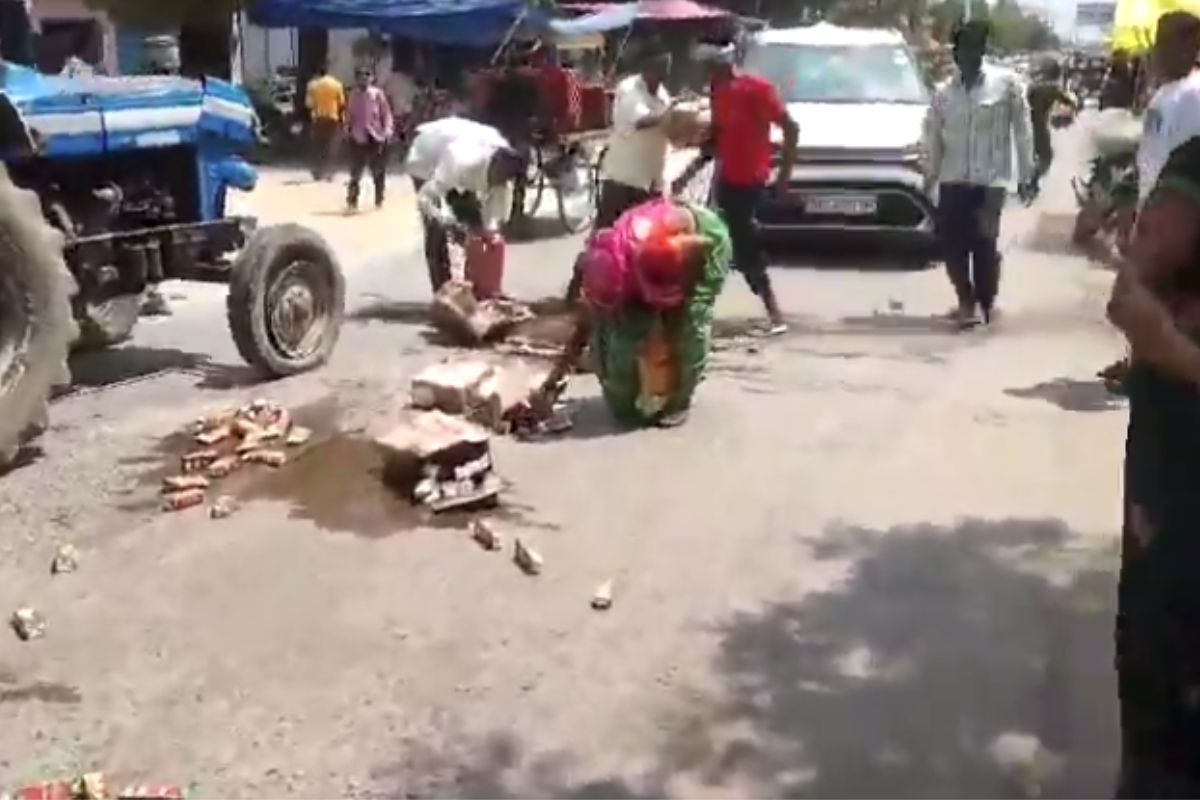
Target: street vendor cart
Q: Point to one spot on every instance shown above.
(551, 99)
(561, 123)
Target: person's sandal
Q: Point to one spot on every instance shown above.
(776, 329)
(672, 419)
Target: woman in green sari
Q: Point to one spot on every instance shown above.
(650, 339)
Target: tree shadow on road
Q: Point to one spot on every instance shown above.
(112, 367)
(969, 661)
(1071, 394)
(103, 368)
(394, 311)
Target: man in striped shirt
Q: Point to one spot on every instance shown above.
(975, 122)
(370, 127)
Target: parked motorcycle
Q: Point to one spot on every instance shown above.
(1107, 198)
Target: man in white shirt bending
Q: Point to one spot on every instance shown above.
(1173, 114)
(462, 171)
(434, 137)
(632, 170)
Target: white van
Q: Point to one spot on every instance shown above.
(860, 101)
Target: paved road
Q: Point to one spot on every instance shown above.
(878, 560)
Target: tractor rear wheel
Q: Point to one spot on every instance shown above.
(36, 326)
(286, 301)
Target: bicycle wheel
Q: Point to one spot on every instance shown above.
(527, 197)
(597, 172)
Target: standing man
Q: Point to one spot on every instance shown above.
(1173, 114)
(1044, 95)
(326, 102)
(1120, 87)
(972, 126)
(461, 170)
(1172, 118)
(744, 109)
(632, 171)
(370, 126)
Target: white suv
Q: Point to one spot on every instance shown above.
(860, 101)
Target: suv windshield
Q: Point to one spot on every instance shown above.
(805, 73)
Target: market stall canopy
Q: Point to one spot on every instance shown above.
(466, 22)
(606, 18)
(1135, 21)
(657, 10)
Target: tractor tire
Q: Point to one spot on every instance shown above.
(107, 322)
(286, 301)
(36, 325)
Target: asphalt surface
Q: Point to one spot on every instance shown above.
(879, 559)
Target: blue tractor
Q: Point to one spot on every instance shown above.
(112, 185)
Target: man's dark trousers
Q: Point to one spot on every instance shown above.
(969, 222)
(615, 199)
(369, 155)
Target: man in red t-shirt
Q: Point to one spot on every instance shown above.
(744, 109)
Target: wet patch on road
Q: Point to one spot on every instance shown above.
(335, 481)
(339, 486)
(1072, 395)
(42, 692)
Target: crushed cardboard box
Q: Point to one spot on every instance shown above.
(440, 461)
(456, 312)
(492, 392)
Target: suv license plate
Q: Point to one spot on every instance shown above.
(846, 205)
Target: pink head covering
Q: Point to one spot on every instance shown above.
(607, 284)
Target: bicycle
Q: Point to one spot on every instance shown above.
(568, 166)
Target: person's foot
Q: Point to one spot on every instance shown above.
(672, 419)
(990, 314)
(966, 317)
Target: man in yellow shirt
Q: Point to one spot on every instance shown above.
(326, 101)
